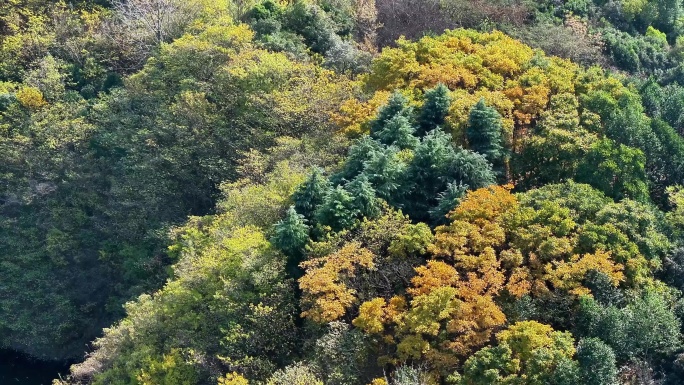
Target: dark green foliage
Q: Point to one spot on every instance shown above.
(397, 131)
(342, 355)
(435, 164)
(646, 328)
(338, 211)
(636, 53)
(484, 134)
(360, 153)
(311, 194)
(434, 110)
(673, 269)
(386, 171)
(267, 9)
(397, 105)
(616, 170)
(312, 23)
(597, 362)
(602, 289)
(303, 28)
(365, 201)
(291, 235)
(447, 201)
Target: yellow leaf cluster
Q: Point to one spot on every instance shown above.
(31, 98)
(476, 224)
(569, 275)
(232, 379)
(326, 295)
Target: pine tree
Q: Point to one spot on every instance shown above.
(425, 174)
(397, 105)
(470, 168)
(484, 134)
(311, 194)
(365, 200)
(386, 172)
(338, 211)
(398, 132)
(362, 151)
(435, 109)
(291, 236)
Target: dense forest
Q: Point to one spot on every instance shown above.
(342, 192)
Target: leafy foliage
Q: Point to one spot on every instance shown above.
(461, 209)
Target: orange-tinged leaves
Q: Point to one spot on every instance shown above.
(569, 275)
(432, 276)
(476, 223)
(326, 296)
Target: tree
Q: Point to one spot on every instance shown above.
(296, 374)
(360, 152)
(528, 352)
(156, 19)
(397, 131)
(597, 362)
(326, 291)
(615, 169)
(447, 201)
(435, 109)
(365, 201)
(311, 194)
(387, 172)
(484, 134)
(397, 105)
(291, 236)
(650, 317)
(338, 210)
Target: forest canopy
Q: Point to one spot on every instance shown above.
(343, 191)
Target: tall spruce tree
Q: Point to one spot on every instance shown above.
(311, 194)
(397, 105)
(365, 200)
(435, 109)
(398, 132)
(484, 135)
(338, 211)
(362, 151)
(291, 235)
(447, 201)
(386, 172)
(425, 174)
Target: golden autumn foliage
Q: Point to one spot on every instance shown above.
(31, 98)
(569, 275)
(232, 379)
(518, 81)
(493, 246)
(326, 297)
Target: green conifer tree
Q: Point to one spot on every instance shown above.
(425, 174)
(291, 235)
(447, 201)
(338, 210)
(435, 109)
(386, 172)
(365, 201)
(484, 134)
(363, 150)
(311, 194)
(397, 105)
(397, 132)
